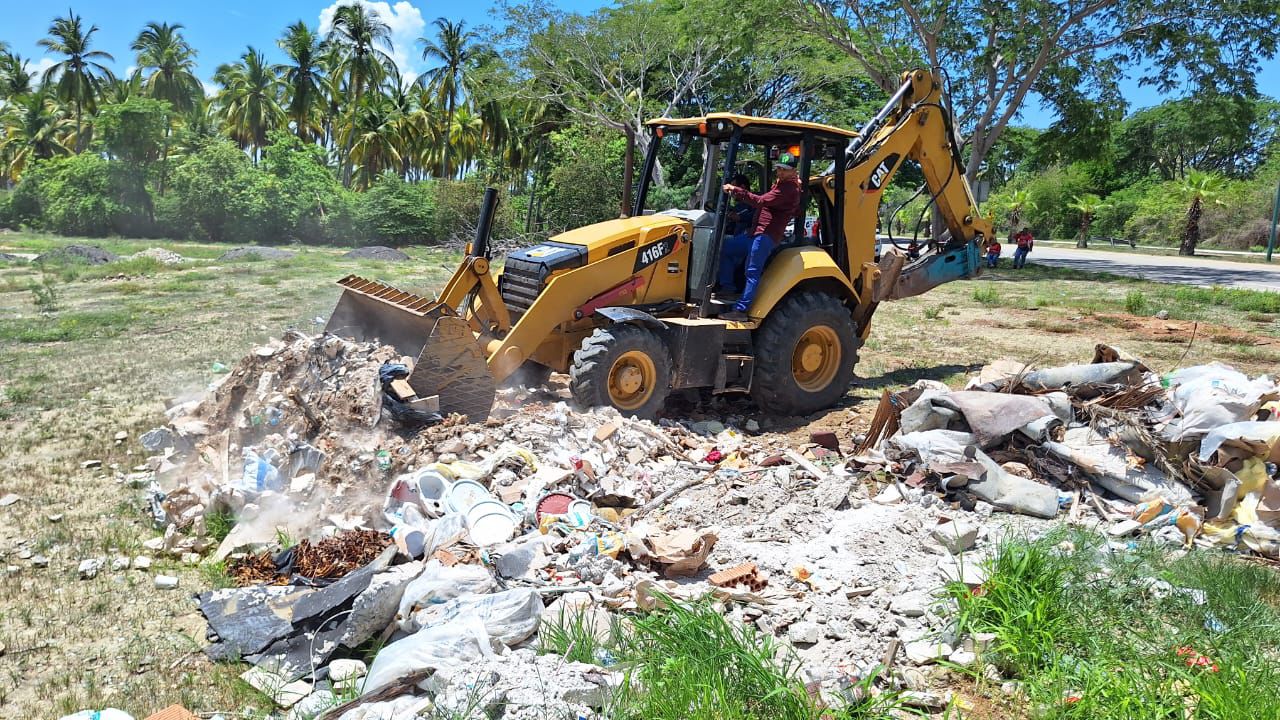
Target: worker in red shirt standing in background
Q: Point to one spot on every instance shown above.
(777, 208)
(993, 253)
(1025, 244)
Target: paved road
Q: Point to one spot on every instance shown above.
(1200, 271)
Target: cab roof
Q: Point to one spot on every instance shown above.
(757, 130)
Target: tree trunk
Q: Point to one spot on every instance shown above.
(628, 172)
(1014, 216)
(1191, 232)
(448, 135)
(1083, 240)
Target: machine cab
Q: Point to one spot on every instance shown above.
(730, 145)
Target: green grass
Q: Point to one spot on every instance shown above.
(688, 661)
(90, 324)
(219, 523)
(987, 294)
(1135, 302)
(1096, 634)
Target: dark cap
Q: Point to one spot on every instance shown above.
(787, 160)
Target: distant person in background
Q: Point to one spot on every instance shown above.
(993, 253)
(1025, 243)
(913, 251)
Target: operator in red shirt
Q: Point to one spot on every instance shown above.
(777, 208)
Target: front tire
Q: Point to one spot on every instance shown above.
(805, 352)
(626, 366)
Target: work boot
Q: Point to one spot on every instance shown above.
(734, 316)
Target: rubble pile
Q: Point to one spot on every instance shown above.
(448, 545)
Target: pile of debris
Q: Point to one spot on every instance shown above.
(1189, 456)
(448, 543)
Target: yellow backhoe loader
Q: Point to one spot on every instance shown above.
(626, 306)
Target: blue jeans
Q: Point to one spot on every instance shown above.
(733, 254)
(1020, 257)
(992, 258)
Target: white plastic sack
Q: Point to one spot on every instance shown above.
(508, 617)
(1256, 431)
(107, 714)
(462, 641)
(942, 446)
(439, 584)
(1213, 395)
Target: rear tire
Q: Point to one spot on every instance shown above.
(805, 352)
(624, 366)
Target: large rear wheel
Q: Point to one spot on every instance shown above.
(804, 355)
(626, 366)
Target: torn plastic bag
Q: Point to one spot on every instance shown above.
(1210, 396)
(1109, 466)
(459, 642)
(400, 411)
(1010, 492)
(508, 617)
(929, 446)
(1084, 381)
(1256, 439)
(993, 416)
(439, 584)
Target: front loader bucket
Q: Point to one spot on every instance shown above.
(448, 361)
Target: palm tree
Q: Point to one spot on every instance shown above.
(466, 135)
(15, 79)
(171, 61)
(1200, 188)
(35, 128)
(1019, 202)
(80, 74)
(374, 138)
(303, 76)
(118, 89)
(454, 49)
(1088, 206)
(359, 31)
(249, 100)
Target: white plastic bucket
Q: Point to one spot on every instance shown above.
(490, 522)
(465, 494)
(432, 485)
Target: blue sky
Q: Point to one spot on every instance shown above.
(220, 30)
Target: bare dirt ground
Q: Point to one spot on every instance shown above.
(125, 337)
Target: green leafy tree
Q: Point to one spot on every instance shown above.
(1198, 188)
(996, 53)
(220, 196)
(1087, 206)
(134, 130)
(1211, 132)
(303, 79)
(167, 63)
(455, 48)
(374, 136)
(315, 207)
(249, 100)
(78, 77)
(87, 195)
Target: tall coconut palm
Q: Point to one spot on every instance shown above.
(455, 49)
(249, 101)
(15, 78)
(361, 32)
(1088, 205)
(1199, 188)
(80, 74)
(119, 89)
(303, 76)
(168, 63)
(466, 137)
(35, 128)
(374, 138)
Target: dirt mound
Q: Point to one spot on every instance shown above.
(91, 254)
(254, 252)
(377, 252)
(160, 255)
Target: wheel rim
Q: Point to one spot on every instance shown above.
(631, 380)
(816, 358)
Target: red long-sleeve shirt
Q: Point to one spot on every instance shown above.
(777, 207)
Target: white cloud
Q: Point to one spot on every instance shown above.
(210, 89)
(38, 67)
(128, 72)
(406, 25)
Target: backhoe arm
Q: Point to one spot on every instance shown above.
(914, 125)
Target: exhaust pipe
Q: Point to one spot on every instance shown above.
(489, 205)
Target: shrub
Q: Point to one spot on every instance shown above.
(83, 195)
(312, 206)
(1050, 195)
(1135, 302)
(585, 183)
(221, 196)
(394, 212)
(6, 210)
